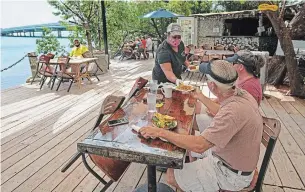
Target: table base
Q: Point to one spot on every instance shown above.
(161, 187)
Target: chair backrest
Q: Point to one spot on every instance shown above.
(44, 59)
(87, 54)
(110, 104)
(63, 63)
(272, 128)
(45, 68)
(205, 58)
(139, 84)
(206, 47)
(92, 67)
(51, 55)
(219, 47)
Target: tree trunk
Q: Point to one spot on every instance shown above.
(88, 35)
(284, 35)
(276, 70)
(296, 85)
(297, 25)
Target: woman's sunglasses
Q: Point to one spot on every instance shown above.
(176, 37)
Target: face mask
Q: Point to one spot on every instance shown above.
(174, 42)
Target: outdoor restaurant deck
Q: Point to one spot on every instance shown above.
(40, 129)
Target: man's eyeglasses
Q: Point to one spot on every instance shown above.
(176, 37)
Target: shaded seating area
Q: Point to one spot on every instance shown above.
(65, 69)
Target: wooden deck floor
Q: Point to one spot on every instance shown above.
(40, 129)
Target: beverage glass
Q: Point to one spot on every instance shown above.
(153, 86)
(151, 102)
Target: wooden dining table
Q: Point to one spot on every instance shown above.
(77, 62)
(123, 143)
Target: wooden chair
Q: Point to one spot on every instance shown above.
(43, 60)
(219, 47)
(272, 128)
(205, 58)
(92, 68)
(109, 106)
(45, 70)
(113, 168)
(63, 74)
(206, 47)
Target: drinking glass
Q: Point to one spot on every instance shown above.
(151, 102)
(153, 86)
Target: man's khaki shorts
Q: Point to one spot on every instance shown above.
(209, 175)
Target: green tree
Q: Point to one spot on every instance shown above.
(235, 5)
(285, 33)
(80, 12)
(48, 43)
(123, 18)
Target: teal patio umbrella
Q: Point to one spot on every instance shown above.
(159, 14)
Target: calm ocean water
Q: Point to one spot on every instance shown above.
(13, 49)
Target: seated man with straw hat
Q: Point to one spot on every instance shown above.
(231, 143)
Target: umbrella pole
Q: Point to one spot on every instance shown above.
(156, 27)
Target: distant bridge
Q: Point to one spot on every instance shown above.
(29, 30)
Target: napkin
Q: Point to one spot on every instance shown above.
(136, 128)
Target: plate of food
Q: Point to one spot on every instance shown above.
(184, 88)
(195, 62)
(164, 121)
(193, 68)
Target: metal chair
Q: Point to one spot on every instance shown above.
(272, 128)
(63, 74)
(45, 70)
(91, 67)
(43, 59)
(110, 105)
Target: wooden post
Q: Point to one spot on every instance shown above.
(105, 29)
(59, 33)
(33, 64)
(260, 21)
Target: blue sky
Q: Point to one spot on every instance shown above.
(16, 13)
